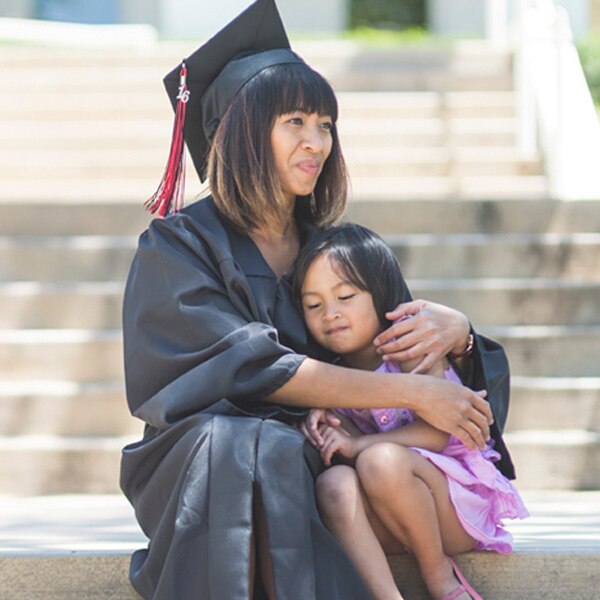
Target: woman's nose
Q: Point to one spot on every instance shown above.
(313, 139)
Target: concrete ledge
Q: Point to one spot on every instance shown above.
(78, 547)
(548, 575)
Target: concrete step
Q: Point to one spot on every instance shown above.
(61, 218)
(116, 133)
(526, 301)
(65, 408)
(466, 162)
(440, 187)
(565, 459)
(99, 102)
(47, 464)
(107, 258)
(517, 216)
(148, 163)
(143, 132)
(61, 354)
(97, 189)
(550, 350)
(566, 256)
(81, 355)
(554, 403)
(70, 547)
(76, 258)
(488, 302)
(75, 305)
(348, 66)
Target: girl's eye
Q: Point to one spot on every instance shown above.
(312, 306)
(328, 126)
(347, 296)
(295, 121)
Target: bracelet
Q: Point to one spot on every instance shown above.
(468, 348)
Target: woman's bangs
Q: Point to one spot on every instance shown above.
(302, 89)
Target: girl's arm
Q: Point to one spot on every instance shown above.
(418, 433)
(447, 406)
(347, 447)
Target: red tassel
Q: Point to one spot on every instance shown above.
(170, 191)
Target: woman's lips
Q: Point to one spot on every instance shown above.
(311, 167)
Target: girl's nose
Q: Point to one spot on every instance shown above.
(332, 313)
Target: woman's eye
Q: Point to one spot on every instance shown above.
(295, 121)
(328, 126)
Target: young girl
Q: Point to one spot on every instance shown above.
(397, 484)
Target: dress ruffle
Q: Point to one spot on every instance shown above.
(481, 495)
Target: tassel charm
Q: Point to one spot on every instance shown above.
(170, 192)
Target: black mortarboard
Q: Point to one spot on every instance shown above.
(202, 87)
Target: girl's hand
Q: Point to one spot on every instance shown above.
(433, 332)
(315, 422)
(338, 442)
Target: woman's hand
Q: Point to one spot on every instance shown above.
(433, 331)
(315, 422)
(338, 442)
(455, 409)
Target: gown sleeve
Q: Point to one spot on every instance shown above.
(192, 334)
(489, 370)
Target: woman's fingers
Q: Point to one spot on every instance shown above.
(474, 427)
(457, 410)
(434, 329)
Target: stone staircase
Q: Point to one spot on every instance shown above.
(83, 140)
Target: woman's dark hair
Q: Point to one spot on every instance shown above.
(363, 258)
(241, 167)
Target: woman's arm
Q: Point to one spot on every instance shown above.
(447, 406)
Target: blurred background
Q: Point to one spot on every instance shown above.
(471, 132)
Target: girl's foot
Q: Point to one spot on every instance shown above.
(464, 591)
(458, 594)
(451, 584)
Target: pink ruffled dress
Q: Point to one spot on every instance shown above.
(481, 495)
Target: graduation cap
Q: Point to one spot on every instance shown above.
(203, 85)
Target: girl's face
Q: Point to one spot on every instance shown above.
(340, 316)
(301, 143)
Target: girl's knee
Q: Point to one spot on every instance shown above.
(382, 465)
(337, 491)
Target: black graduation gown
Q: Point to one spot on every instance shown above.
(208, 332)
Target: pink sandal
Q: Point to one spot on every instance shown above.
(463, 587)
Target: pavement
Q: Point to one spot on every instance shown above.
(559, 521)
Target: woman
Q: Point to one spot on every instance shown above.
(218, 363)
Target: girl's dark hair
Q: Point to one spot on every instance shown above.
(363, 258)
(241, 167)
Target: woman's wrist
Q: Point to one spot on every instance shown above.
(466, 349)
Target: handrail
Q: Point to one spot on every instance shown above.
(556, 112)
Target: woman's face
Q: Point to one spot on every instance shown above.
(340, 316)
(301, 143)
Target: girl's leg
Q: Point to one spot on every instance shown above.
(346, 514)
(410, 496)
